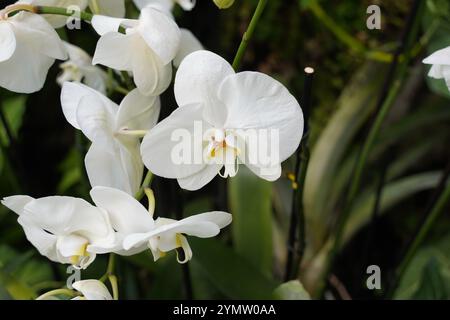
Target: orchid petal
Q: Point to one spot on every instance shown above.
(198, 80)
(150, 75)
(71, 95)
(36, 33)
(97, 120)
(441, 57)
(257, 101)
(16, 203)
(115, 50)
(92, 290)
(159, 147)
(201, 178)
(119, 167)
(7, 41)
(126, 213)
(103, 24)
(138, 112)
(187, 5)
(160, 33)
(188, 44)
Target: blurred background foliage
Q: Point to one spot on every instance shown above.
(41, 154)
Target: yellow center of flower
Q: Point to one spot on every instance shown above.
(80, 255)
(222, 149)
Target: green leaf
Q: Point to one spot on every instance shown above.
(423, 279)
(70, 168)
(14, 109)
(393, 193)
(229, 272)
(433, 285)
(353, 109)
(292, 290)
(19, 272)
(250, 203)
(16, 288)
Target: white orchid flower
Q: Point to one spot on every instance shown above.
(112, 8)
(188, 44)
(146, 49)
(165, 5)
(28, 48)
(440, 61)
(79, 68)
(91, 290)
(227, 106)
(64, 229)
(135, 225)
(113, 159)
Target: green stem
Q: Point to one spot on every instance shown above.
(110, 267)
(248, 34)
(436, 210)
(114, 286)
(147, 181)
(345, 37)
(66, 292)
(95, 7)
(111, 277)
(83, 15)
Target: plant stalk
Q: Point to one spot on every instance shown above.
(296, 239)
(248, 34)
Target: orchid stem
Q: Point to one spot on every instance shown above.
(439, 202)
(110, 276)
(248, 34)
(147, 182)
(62, 291)
(186, 272)
(296, 250)
(114, 286)
(83, 15)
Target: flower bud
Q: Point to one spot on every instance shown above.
(223, 4)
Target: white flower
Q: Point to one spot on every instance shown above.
(188, 44)
(226, 105)
(28, 48)
(64, 229)
(113, 159)
(136, 226)
(79, 68)
(147, 49)
(165, 5)
(440, 61)
(112, 8)
(91, 290)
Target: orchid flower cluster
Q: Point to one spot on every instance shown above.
(126, 138)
